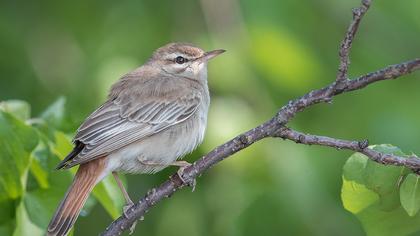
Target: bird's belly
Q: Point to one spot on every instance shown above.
(156, 152)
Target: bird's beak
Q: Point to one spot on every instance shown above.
(209, 55)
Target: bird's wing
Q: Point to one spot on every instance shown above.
(127, 119)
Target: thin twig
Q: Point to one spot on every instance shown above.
(275, 127)
(347, 42)
(325, 94)
(412, 162)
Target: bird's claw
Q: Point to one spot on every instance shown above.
(190, 181)
(125, 212)
(126, 208)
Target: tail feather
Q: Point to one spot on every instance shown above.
(69, 209)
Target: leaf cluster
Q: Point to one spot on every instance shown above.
(30, 187)
(385, 199)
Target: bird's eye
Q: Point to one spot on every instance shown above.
(180, 60)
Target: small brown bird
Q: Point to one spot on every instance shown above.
(154, 115)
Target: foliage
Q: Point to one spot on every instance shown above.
(30, 188)
(384, 198)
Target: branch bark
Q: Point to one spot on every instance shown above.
(411, 162)
(276, 127)
(344, 52)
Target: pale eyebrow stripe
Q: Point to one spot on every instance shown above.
(175, 55)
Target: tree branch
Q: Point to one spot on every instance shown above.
(275, 127)
(358, 14)
(411, 162)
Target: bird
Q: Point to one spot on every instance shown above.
(153, 116)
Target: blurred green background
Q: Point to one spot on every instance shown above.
(277, 50)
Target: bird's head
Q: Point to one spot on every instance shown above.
(182, 59)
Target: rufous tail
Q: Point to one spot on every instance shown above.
(69, 209)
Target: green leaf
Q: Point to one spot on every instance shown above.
(410, 194)
(38, 166)
(20, 109)
(354, 168)
(376, 221)
(356, 197)
(17, 140)
(41, 202)
(380, 178)
(372, 193)
(63, 145)
(54, 114)
(30, 188)
(384, 181)
(23, 225)
(40, 174)
(7, 213)
(7, 228)
(7, 217)
(47, 187)
(110, 196)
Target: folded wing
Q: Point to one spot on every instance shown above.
(124, 120)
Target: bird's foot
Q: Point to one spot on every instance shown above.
(125, 212)
(127, 206)
(182, 166)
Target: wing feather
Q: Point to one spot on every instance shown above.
(124, 120)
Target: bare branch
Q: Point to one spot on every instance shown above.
(275, 127)
(412, 163)
(345, 47)
(325, 94)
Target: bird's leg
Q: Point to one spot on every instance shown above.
(182, 165)
(127, 198)
(128, 201)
